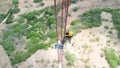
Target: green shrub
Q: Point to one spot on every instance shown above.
(2, 17)
(10, 19)
(20, 56)
(42, 28)
(18, 29)
(34, 47)
(15, 10)
(15, 1)
(76, 22)
(21, 20)
(49, 12)
(110, 32)
(116, 21)
(38, 12)
(70, 58)
(87, 66)
(30, 16)
(51, 34)
(106, 27)
(73, 1)
(107, 10)
(75, 9)
(50, 21)
(32, 34)
(53, 26)
(35, 29)
(112, 57)
(42, 4)
(8, 45)
(36, 1)
(43, 37)
(91, 18)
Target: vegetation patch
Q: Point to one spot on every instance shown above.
(15, 1)
(31, 33)
(116, 20)
(13, 11)
(92, 18)
(70, 58)
(88, 19)
(75, 9)
(112, 57)
(2, 17)
(73, 1)
(37, 1)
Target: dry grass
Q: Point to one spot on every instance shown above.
(5, 5)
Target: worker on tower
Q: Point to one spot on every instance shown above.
(68, 35)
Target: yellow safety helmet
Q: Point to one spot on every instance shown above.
(70, 33)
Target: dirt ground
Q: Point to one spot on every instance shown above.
(5, 5)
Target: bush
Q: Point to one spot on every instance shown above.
(107, 10)
(42, 4)
(32, 34)
(91, 18)
(70, 58)
(106, 27)
(116, 20)
(35, 29)
(38, 12)
(15, 10)
(18, 29)
(10, 19)
(73, 1)
(21, 20)
(15, 1)
(36, 1)
(50, 21)
(30, 16)
(43, 37)
(112, 58)
(51, 34)
(75, 22)
(2, 17)
(49, 12)
(20, 56)
(75, 9)
(8, 45)
(33, 48)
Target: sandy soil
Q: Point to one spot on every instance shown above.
(4, 59)
(5, 6)
(28, 6)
